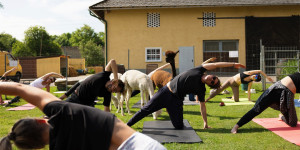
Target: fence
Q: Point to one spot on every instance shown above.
(279, 61)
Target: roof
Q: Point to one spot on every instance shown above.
(125, 4)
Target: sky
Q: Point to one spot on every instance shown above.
(57, 16)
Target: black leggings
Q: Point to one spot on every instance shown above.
(261, 104)
(164, 98)
(16, 99)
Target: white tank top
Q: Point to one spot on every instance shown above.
(38, 83)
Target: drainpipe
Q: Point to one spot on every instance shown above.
(105, 24)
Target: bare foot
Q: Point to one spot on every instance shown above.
(280, 117)
(234, 129)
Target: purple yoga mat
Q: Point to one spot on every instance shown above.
(23, 107)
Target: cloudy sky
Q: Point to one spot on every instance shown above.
(57, 16)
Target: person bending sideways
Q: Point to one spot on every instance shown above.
(3, 79)
(279, 96)
(246, 77)
(42, 82)
(70, 126)
(87, 91)
(172, 95)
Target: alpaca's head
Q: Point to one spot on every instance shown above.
(170, 56)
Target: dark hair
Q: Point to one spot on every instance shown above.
(257, 78)
(26, 134)
(115, 83)
(217, 85)
(53, 79)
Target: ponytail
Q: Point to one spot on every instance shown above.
(26, 134)
(5, 143)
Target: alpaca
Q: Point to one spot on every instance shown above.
(136, 80)
(115, 99)
(159, 77)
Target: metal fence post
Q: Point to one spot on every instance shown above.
(298, 61)
(262, 64)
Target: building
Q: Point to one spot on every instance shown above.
(139, 32)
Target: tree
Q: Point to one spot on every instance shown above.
(1, 6)
(93, 54)
(64, 39)
(19, 49)
(40, 43)
(6, 41)
(81, 36)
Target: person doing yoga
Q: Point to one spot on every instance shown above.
(246, 77)
(70, 127)
(279, 96)
(42, 82)
(171, 96)
(87, 91)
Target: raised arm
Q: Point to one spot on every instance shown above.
(44, 77)
(159, 68)
(249, 91)
(35, 96)
(112, 67)
(210, 60)
(252, 72)
(212, 66)
(8, 72)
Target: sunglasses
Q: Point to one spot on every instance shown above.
(213, 81)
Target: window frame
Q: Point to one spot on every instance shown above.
(160, 54)
(220, 42)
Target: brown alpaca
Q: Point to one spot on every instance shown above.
(159, 77)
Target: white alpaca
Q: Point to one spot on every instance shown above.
(136, 80)
(115, 99)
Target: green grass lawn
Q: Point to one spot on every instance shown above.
(221, 119)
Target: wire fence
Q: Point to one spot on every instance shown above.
(279, 61)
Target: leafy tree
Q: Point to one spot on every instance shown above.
(93, 54)
(6, 41)
(40, 43)
(81, 36)
(19, 49)
(64, 39)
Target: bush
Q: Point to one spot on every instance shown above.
(290, 67)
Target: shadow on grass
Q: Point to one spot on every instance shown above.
(224, 130)
(223, 117)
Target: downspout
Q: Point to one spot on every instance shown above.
(105, 24)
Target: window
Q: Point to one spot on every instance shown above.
(153, 20)
(153, 54)
(223, 46)
(209, 19)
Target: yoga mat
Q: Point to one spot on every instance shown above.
(137, 104)
(23, 107)
(164, 132)
(297, 103)
(291, 134)
(188, 102)
(231, 102)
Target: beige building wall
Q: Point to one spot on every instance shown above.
(77, 63)
(46, 65)
(127, 30)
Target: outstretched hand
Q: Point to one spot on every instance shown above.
(238, 65)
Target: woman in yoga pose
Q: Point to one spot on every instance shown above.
(70, 126)
(246, 77)
(279, 96)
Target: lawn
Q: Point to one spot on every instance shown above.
(221, 119)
